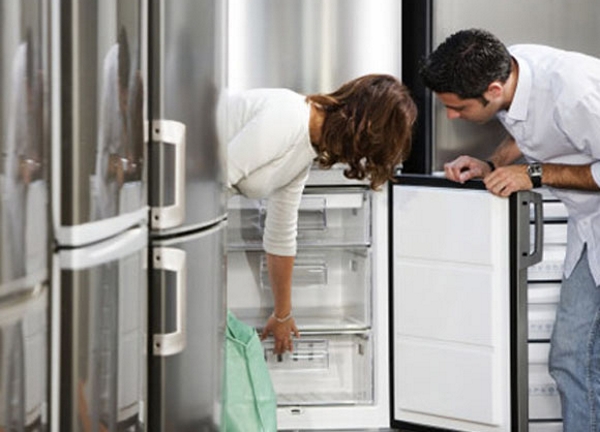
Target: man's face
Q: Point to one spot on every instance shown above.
(467, 109)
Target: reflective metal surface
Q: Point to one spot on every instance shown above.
(188, 73)
(23, 363)
(104, 335)
(24, 77)
(102, 101)
(311, 45)
(185, 383)
(572, 25)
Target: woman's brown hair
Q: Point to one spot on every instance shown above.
(368, 125)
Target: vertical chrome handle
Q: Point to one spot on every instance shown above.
(170, 259)
(171, 133)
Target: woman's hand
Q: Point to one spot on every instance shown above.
(283, 333)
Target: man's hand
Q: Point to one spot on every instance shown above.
(508, 179)
(465, 168)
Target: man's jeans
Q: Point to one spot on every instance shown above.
(575, 350)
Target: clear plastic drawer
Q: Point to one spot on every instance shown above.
(337, 217)
(323, 369)
(330, 288)
(544, 400)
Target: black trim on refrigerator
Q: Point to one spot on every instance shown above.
(416, 45)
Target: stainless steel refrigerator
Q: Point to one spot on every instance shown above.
(99, 215)
(187, 217)
(24, 214)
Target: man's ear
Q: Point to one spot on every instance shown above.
(494, 90)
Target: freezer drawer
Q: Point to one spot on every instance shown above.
(544, 400)
(330, 288)
(24, 362)
(323, 369)
(327, 217)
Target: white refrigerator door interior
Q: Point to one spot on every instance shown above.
(451, 308)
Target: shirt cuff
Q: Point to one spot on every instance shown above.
(596, 172)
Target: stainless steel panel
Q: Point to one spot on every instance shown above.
(185, 384)
(24, 363)
(188, 73)
(573, 25)
(311, 45)
(103, 335)
(24, 77)
(102, 100)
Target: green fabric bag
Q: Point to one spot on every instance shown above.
(249, 400)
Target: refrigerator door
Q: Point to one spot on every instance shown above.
(24, 78)
(187, 184)
(24, 362)
(99, 164)
(103, 335)
(460, 305)
(187, 315)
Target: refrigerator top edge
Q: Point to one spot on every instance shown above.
(92, 232)
(127, 243)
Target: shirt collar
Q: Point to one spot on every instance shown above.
(520, 102)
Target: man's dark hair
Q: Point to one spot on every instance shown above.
(466, 63)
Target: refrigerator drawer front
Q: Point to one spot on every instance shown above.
(541, 320)
(104, 333)
(323, 369)
(188, 313)
(331, 288)
(24, 362)
(544, 399)
(102, 180)
(551, 266)
(326, 217)
(543, 293)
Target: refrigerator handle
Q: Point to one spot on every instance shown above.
(170, 259)
(530, 257)
(170, 132)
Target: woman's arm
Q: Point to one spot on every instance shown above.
(281, 324)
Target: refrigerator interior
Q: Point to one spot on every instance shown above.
(338, 375)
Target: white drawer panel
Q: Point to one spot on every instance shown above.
(323, 369)
(331, 288)
(546, 427)
(336, 217)
(551, 266)
(543, 292)
(544, 400)
(541, 319)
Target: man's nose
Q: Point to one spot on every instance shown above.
(452, 114)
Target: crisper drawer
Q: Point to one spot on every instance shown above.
(323, 369)
(544, 400)
(331, 288)
(327, 216)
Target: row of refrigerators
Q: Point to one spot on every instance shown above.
(115, 254)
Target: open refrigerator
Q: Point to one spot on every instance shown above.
(24, 211)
